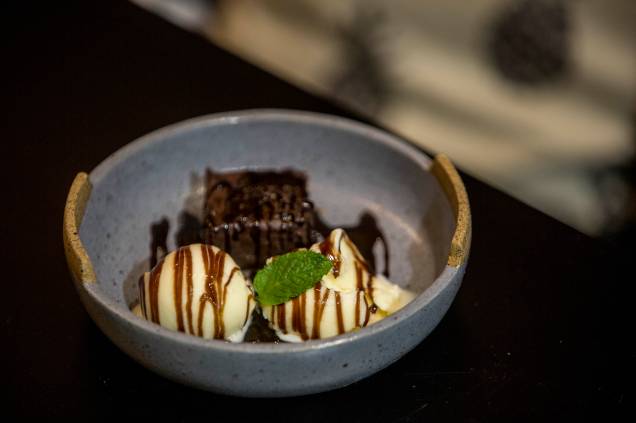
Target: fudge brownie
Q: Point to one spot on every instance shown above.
(256, 215)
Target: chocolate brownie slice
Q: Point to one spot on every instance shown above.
(256, 215)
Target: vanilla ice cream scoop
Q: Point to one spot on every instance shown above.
(348, 297)
(199, 290)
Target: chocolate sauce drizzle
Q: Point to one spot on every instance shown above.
(153, 292)
(339, 313)
(158, 237)
(189, 288)
(319, 307)
(214, 289)
(178, 297)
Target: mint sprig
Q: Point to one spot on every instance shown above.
(289, 275)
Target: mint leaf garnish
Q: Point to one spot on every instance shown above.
(289, 275)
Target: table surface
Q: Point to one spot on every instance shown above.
(537, 331)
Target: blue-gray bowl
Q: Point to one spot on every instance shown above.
(420, 204)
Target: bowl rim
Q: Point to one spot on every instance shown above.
(74, 211)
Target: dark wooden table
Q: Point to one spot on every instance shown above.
(539, 329)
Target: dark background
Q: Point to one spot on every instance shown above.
(539, 329)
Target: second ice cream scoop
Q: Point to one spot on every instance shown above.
(348, 297)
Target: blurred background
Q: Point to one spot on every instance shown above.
(535, 97)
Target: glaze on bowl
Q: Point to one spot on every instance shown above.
(420, 205)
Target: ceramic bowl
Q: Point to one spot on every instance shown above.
(420, 205)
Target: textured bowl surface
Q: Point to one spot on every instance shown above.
(419, 203)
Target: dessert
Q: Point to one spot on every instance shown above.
(199, 290)
(256, 215)
(261, 226)
(346, 298)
